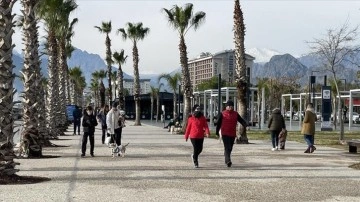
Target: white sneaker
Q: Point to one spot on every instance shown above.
(273, 149)
(277, 148)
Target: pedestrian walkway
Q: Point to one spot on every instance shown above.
(158, 167)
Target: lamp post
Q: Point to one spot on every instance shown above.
(312, 86)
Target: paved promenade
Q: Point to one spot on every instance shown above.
(157, 167)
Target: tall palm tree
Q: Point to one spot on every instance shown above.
(31, 80)
(94, 88)
(7, 165)
(49, 11)
(106, 28)
(100, 75)
(120, 59)
(63, 37)
(135, 32)
(75, 79)
(182, 19)
(240, 76)
(158, 101)
(173, 83)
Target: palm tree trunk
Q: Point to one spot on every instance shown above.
(174, 103)
(136, 85)
(62, 87)
(186, 82)
(157, 107)
(108, 61)
(32, 138)
(102, 94)
(7, 164)
(152, 108)
(68, 86)
(53, 86)
(241, 80)
(121, 88)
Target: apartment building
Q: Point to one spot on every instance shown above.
(207, 65)
(144, 86)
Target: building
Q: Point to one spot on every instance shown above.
(207, 65)
(144, 86)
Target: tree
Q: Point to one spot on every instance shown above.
(33, 140)
(338, 46)
(7, 164)
(106, 28)
(100, 75)
(120, 59)
(173, 83)
(135, 32)
(240, 75)
(182, 19)
(210, 84)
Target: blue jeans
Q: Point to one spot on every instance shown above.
(275, 138)
(309, 139)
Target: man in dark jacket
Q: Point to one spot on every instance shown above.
(77, 119)
(226, 122)
(89, 122)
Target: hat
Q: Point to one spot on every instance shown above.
(230, 103)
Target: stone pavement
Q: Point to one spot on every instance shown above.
(157, 167)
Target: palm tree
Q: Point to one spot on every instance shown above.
(7, 164)
(63, 36)
(94, 88)
(173, 83)
(31, 78)
(120, 59)
(182, 19)
(106, 28)
(158, 101)
(100, 75)
(50, 11)
(135, 32)
(240, 76)
(75, 80)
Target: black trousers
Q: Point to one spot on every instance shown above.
(197, 146)
(77, 125)
(228, 146)
(87, 135)
(103, 129)
(118, 132)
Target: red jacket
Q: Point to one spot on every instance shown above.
(196, 128)
(227, 122)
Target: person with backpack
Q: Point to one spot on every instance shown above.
(197, 128)
(77, 119)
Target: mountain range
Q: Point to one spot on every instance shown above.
(268, 63)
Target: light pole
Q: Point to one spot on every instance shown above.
(312, 85)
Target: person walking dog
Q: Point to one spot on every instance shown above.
(226, 122)
(197, 128)
(276, 125)
(112, 122)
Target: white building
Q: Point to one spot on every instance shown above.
(144, 86)
(206, 66)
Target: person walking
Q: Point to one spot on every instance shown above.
(112, 122)
(226, 122)
(196, 129)
(77, 119)
(308, 128)
(102, 118)
(276, 125)
(89, 122)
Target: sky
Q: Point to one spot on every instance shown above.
(283, 26)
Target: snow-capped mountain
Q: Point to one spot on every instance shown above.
(262, 55)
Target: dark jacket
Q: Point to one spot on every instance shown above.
(276, 122)
(77, 114)
(227, 122)
(89, 122)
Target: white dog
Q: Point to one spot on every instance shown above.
(119, 150)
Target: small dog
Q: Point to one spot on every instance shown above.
(119, 150)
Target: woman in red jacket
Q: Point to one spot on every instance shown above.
(196, 129)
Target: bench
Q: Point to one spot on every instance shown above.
(353, 144)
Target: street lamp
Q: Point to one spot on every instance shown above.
(312, 86)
